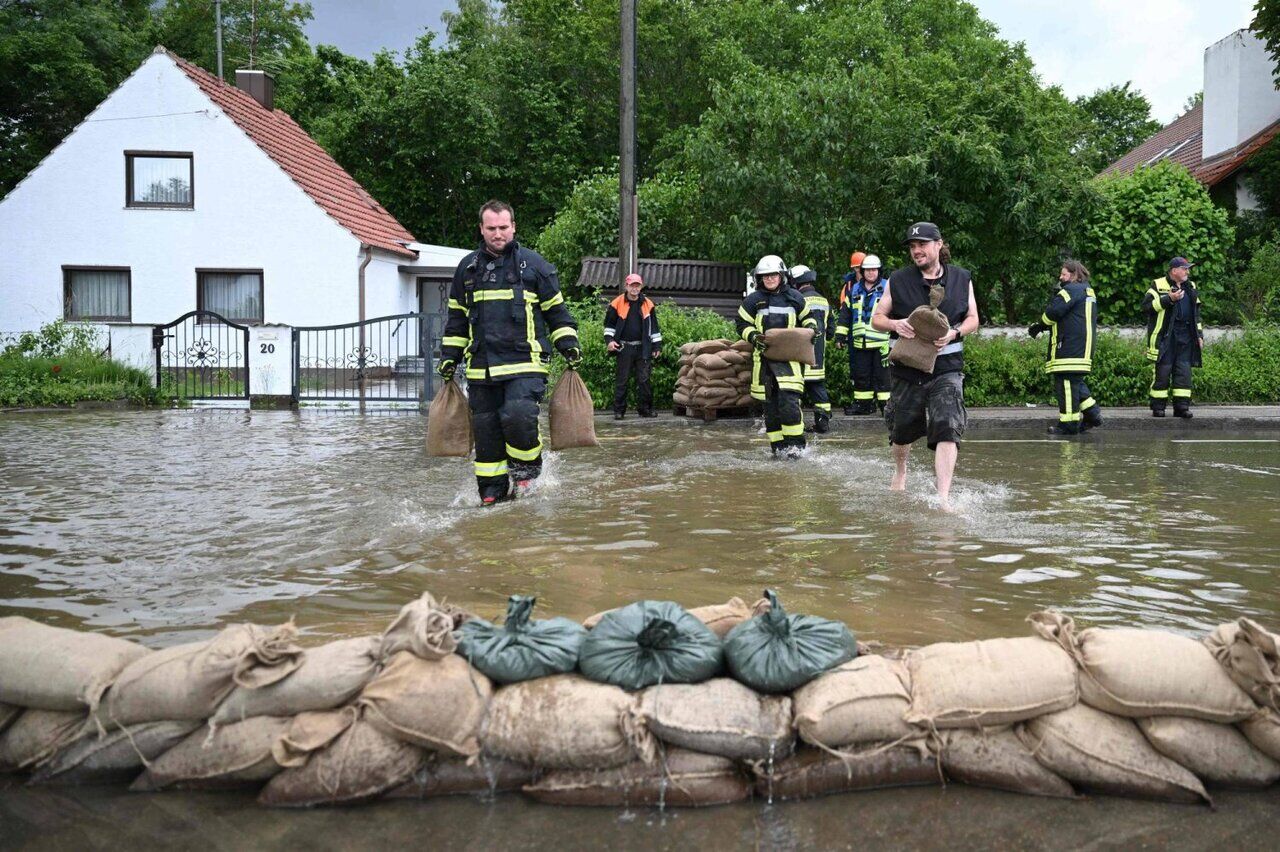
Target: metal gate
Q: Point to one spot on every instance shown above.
(202, 355)
(385, 359)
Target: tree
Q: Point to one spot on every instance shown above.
(1266, 23)
(1139, 222)
(255, 33)
(1118, 120)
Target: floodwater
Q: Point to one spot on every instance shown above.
(165, 525)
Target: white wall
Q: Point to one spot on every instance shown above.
(248, 214)
(1240, 98)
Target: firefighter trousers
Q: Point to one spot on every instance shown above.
(869, 369)
(1077, 409)
(782, 420)
(815, 393)
(504, 422)
(1173, 367)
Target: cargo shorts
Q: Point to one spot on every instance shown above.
(934, 410)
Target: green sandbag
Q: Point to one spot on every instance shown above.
(650, 642)
(776, 652)
(521, 649)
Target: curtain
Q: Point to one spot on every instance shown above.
(235, 295)
(98, 293)
(162, 180)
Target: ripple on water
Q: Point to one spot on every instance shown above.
(1003, 558)
(1025, 576)
(631, 544)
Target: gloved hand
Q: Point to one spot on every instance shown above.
(446, 367)
(756, 339)
(1036, 328)
(573, 357)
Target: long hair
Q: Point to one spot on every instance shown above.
(944, 253)
(1079, 272)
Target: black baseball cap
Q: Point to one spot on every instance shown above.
(922, 231)
(1180, 263)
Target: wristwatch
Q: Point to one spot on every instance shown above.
(958, 336)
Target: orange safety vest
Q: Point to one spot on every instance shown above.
(623, 306)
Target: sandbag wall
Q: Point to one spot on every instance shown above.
(714, 374)
(1058, 712)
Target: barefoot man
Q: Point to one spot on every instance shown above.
(928, 405)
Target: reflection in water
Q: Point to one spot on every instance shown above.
(171, 523)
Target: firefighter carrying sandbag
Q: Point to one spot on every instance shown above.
(815, 378)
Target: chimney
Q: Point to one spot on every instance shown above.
(1240, 98)
(259, 84)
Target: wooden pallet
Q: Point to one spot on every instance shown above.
(710, 414)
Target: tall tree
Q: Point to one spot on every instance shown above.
(1266, 23)
(255, 33)
(1118, 120)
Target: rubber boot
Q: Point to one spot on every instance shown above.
(821, 422)
(1183, 411)
(1157, 411)
(1092, 418)
(1064, 429)
(864, 407)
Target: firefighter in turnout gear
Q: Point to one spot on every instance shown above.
(1072, 317)
(815, 378)
(505, 313)
(868, 348)
(1175, 337)
(779, 384)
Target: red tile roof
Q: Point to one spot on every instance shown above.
(303, 160)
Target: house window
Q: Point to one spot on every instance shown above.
(159, 179)
(98, 293)
(235, 294)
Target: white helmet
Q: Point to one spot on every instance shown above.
(871, 262)
(768, 265)
(801, 275)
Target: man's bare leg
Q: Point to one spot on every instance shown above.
(944, 467)
(900, 453)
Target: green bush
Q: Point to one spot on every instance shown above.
(59, 365)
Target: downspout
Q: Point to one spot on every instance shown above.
(368, 257)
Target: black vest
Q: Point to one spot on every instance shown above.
(908, 292)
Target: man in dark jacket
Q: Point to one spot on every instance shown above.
(505, 313)
(1072, 316)
(631, 333)
(1175, 337)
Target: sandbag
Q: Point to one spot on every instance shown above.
(436, 704)
(361, 764)
(8, 713)
(776, 652)
(713, 362)
(704, 347)
(424, 628)
(997, 759)
(813, 772)
(1251, 657)
(449, 423)
(189, 681)
(521, 649)
(989, 682)
(859, 702)
(1263, 731)
(680, 398)
(929, 325)
(564, 722)
(52, 668)
(572, 413)
(681, 779)
(720, 618)
(1216, 753)
(742, 346)
(790, 344)
(1136, 673)
(235, 755)
(330, 676)
(650, 642)
(118, 755)
(1106, 753)
(720, 716)
(736, 358)
(37, 734)
(441, 776)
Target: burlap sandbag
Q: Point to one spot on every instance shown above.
(686, 349)
(564, 722)
(990, 682)
(929, 325)
(1136, 673)
(235, 755)
(94, 759)
(725, 378)
(705, 347)
(742, 346)
(719, 716)
(51, 668)
(1106, 753)
(361, 764)
(790, 344)
(712, 362)
(1263, 731)
(8, 713)
(721, 618)
(36, 735)
(449, 423)
(680, 398)
(452, 776)
(1251, 656)
(735, 358)
(997, 759)
(859, 702)
(436, 704)
(1216, 753)
(424, 628)
(189, 681)
(679, 779)
(310, 732)
(814, 772)
(330, 676)
(572, 413)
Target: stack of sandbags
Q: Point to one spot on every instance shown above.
(714, 374)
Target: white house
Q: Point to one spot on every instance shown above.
(181, 192)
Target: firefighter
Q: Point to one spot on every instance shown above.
(868, 348)
(1175, 337)
(815, 377)
(631, 334)
(1072, 317)
(774, 303)
(505, 313)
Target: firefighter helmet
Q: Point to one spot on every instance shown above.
(802, 275)
(770, 264)
(871, 262)
(855, 259)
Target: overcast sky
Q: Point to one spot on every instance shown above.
(1081, 45)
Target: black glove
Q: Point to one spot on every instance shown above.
(756, 339)
(446, 367)
(573, 357)
(1036, 328)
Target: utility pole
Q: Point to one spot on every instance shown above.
(627, 207)
(217, 14)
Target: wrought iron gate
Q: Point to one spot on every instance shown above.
(202, 355)
(385, 359)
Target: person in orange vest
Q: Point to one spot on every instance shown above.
(632, 335)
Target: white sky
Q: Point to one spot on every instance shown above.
(1080, 45)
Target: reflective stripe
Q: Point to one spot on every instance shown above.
(863, 394)
(1159, 394)
(655, 338)
(1182, 392)
(814, 375)
(792, 429)
(746, 317)
(1070, 418)
(1090, 303)
(455, 305)
(610, 332)
(492, 295)
(524, 455)
(842, 330)
(1085, 405)
(563, 331)
(774, 437)
(557, 299)
(773, 309)
(455, 341)
(952, 348)
(1066, 397)
(491, 468)
(882, 396)
(792, 384)
(506, 370)
(871, 340)
(530, 330)
(822, 406)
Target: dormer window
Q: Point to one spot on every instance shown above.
(159, 179)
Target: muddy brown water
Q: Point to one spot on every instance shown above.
(163, 526)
